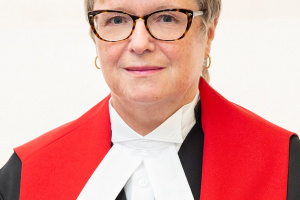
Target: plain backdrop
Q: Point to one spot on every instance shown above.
(48, 77)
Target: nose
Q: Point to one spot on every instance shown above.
(141, 41)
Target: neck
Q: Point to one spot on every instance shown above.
(143, 118)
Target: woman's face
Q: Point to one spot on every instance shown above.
(144, 70)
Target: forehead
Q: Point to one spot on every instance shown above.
(143, 6)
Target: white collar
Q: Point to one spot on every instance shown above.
(157, 151)
(172, 130)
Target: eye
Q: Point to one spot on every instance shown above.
(167, 18)
(113, 19)
(117, 20)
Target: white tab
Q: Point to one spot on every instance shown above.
(166, 175)
(111, 175)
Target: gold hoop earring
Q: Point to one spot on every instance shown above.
(209, 62)
(96, 63)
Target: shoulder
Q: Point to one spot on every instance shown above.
(220, 113)
(68, 130)
(242, 143)
(67, 155)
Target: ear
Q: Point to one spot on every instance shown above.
(210, 36)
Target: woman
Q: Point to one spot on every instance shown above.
(152, 138)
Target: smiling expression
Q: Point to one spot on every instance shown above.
(144, 70)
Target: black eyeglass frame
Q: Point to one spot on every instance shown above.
(189, 13)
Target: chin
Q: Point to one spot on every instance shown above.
(146, 97)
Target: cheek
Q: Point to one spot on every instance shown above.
(190, 59)
(109, 54)
(106, 54)
(108, 58)
(187, 55)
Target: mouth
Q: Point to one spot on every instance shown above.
(143, 70)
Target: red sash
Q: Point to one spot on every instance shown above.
(245, 157)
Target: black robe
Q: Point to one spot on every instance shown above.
(190, 154)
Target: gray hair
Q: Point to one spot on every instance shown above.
(212, 7)
(213, 10)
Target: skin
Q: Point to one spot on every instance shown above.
(145, 98)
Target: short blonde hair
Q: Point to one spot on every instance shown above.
(212, 7)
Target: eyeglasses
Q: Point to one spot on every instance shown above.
(166, 25)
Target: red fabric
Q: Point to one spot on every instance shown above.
(245, 157)
(57, 165)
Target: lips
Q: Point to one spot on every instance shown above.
(143, 70)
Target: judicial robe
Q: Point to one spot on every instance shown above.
(230, 153)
